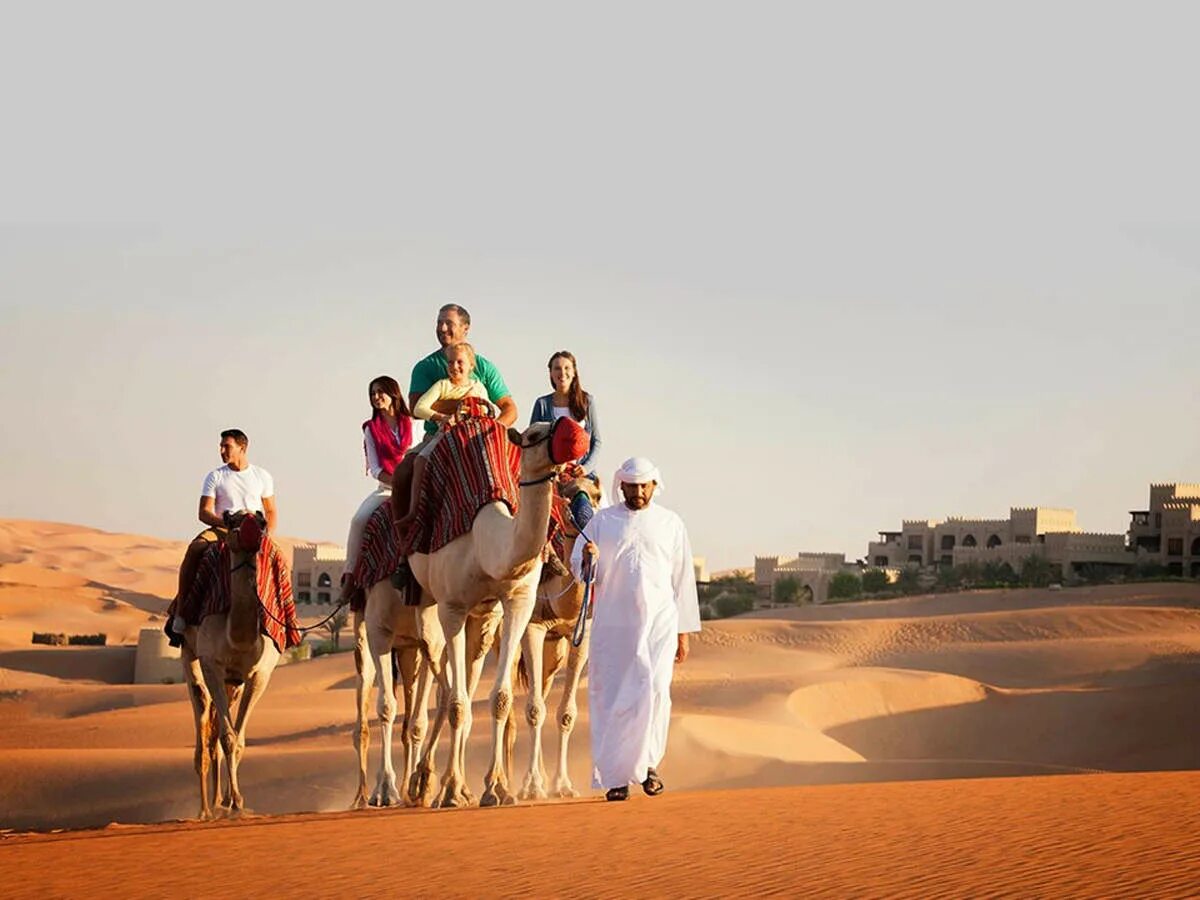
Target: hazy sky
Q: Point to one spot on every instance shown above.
(829, 265)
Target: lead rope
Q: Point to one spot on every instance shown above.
(589, 576)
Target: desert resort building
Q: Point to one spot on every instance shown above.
(1167, 533)
(317, 572)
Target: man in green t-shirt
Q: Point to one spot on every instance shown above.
(453, 323)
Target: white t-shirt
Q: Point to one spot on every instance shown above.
(561, 411)
(238, 490)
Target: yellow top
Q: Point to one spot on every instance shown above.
(445, 389)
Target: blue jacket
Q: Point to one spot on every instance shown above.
(543, 411)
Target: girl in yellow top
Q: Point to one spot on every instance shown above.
(440, 404)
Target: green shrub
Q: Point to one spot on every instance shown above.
(88, 640)
(909, 581)
(875, 581)
(786, 589)
(732, 604)
(844, 585)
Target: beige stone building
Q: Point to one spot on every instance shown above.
(317, 573)
(1168, 532)
(812, 570)
(1047, 532)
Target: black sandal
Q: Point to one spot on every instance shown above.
(653, 785)
(617, 793)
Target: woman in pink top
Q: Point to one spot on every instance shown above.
(387, 435)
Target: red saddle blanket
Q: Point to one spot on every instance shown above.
(210, 592)
(473, 465)
(377, 557)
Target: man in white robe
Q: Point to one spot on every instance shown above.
(645, 607)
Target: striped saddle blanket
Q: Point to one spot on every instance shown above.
(210, 592)
(473, 465)
(377, 557)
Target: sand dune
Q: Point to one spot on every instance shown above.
(1086, 836)
(966, 686)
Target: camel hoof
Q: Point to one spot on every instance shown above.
(206, 815)
(489, 799)
(509, 800)
(567, 793)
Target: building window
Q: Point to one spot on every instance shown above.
(1158, 520)
(1175, 568)
(947, 542)
(1174, 546)
(1196, 547)
(323, 580)
(1022, 539)
(915, 542)
(969, 540)
(915, 558)
(305, 597)
(881, 561)
(304, 579)
(994, 541)
(323, 597)
(947, 561)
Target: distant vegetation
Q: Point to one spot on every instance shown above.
(728, 595)
(74, 640)
(732, 595)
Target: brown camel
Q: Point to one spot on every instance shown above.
(498, 560)
(545, 648)
(228, 662)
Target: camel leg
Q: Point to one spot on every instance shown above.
(364, 669)
(458, 705)
(409, 659)
(422, 787)
(515, 622)
(532, 645)
(251, 692)
(379, 643)
(568, 713)
(481, 635)
(205, 727)
(214, 680)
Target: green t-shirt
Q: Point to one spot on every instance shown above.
(433, 368)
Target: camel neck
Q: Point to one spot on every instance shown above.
(244, 622)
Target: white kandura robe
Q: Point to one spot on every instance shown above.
(644, 596)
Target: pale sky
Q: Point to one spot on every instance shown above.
(829, 265)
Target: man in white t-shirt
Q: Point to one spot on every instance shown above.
(235, 486)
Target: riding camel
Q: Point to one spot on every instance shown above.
(228, 661)
(546, 648)
(498, 560)
(387, 624)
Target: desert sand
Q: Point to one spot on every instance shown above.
(895, 747)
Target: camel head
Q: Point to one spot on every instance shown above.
(582, 493)
(246, 530)
(548, 447)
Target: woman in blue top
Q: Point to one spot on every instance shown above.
(569, 399)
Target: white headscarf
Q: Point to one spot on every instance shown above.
(636, 470)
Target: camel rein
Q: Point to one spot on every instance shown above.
(266, 612)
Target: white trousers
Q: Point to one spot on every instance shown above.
(358, 523)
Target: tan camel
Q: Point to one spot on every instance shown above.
(498, 560)
(416, 636)
(235, 660)
(545, 648)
